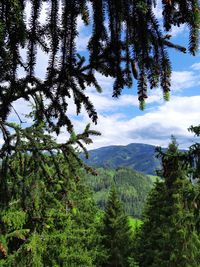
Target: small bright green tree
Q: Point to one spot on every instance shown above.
(116, 233)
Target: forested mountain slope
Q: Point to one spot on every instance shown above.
(133, 187)
(140, 157)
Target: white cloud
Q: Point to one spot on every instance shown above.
(84, 35)
(196, 66)
(105, 103)
(184, 79)
(175, 30)
(154, 127)
(20, 108)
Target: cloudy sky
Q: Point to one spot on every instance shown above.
(120, 120)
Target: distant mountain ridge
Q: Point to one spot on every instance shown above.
(140, 157)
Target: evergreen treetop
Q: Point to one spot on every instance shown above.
(116, 233)
(169, 237)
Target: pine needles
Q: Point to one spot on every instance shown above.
(126, 43)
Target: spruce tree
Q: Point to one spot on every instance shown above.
(115, 233)
(194, 160)
(58, 235)
(47, 216)
(132, 47)
(168, 236)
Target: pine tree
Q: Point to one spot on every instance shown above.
(58, 235)
(75, 242)
(194, 160)
(168, 236)
(47, 220)
(116, 233)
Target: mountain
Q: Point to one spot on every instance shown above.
(140, 157)
(133, 188)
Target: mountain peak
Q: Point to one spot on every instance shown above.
(138, 156)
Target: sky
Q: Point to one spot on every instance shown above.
(119, 120)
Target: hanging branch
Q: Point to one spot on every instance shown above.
(126, 43)
(36, 141)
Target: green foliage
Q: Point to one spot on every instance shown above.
(194, 161)
(133, 188)
(116, 233)
(47, 217)
(13, 218)
(134, 224)
(137, 51)
(47, 220)
(35, 142)
(168, 236)
(78, 243)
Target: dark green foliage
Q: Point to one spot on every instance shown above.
(194, 160)
(47, 220)
(36, 141)
(79, 243)
(116, 233)
(140, 157)
(131, 47)
(168, 236)
(133, 188)
(194, 154)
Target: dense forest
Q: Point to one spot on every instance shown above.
(49, 214)
(53, 220)
(133, 188)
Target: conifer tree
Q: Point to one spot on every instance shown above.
(132, 47)
(47, 216)
(194, 160)
(56, 234)
(116, 233)
(168, 236)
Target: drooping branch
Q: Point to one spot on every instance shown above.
(36, 142)
(126, 43)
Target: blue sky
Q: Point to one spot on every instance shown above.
(120, 120)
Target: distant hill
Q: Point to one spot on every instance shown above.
(133, 188)
(140, 157)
